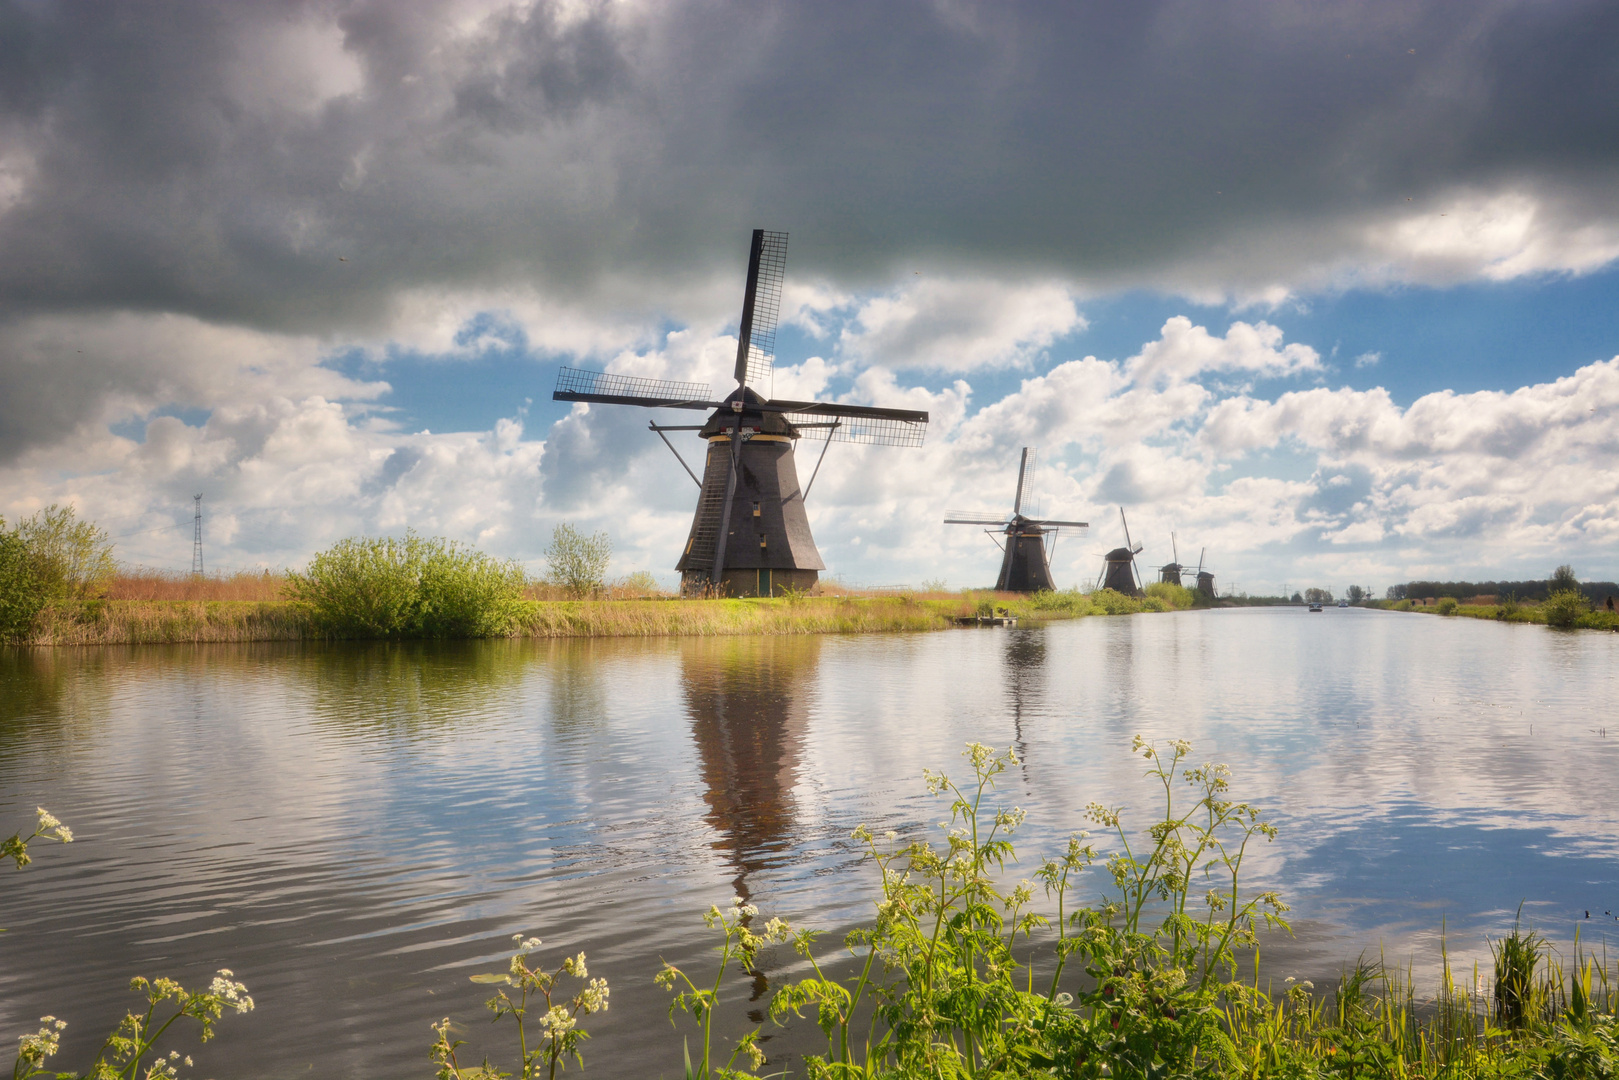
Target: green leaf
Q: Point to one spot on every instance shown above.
(491, 979)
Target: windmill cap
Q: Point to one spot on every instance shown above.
(1119, 555)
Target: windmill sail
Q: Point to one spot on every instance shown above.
(761, 306)
(1024, 477)
(575, 384)
(856, 423)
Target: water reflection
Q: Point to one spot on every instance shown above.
(355, 828)
(1024, 660)
(749, 702)
(408, 689)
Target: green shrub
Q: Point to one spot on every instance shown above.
(412, 587)
(1113, 602)
(1070, 601)
(1447, 605)
(23, 594)
(578, 562)
(1564, 608)
(1174, 597)
(72, 558)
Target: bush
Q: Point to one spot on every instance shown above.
(72, 558)
(1113, 602)
(578, 562)
(1564, 608)
(1447, 605)
(23, 594)
(414, 587)
(1174, 597)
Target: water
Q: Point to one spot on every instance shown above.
(355, 829)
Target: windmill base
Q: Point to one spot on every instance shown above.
(749, 581)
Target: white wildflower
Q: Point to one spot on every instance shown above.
(557, 1022)
(593, 998)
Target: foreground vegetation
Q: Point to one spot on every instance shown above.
(963, 974)
(960, 975)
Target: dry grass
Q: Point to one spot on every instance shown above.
(132, 622)
(653, 618)
(143, 583)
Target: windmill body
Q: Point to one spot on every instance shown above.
(769, 546)
(1119, 565)
(750, 535)
(1026, 561)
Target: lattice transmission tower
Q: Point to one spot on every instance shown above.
(196, 538)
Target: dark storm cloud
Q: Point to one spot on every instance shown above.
(179, 157)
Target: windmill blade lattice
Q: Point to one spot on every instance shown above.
(853, 427)
(761, 307)
(575, 384)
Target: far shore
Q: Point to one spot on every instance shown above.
(133, 622)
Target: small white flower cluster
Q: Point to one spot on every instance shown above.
(1010, 819)
(232, 993)
(167, 1068)
(557, 1022)
(35, 1048)
(742, 909)
(575, 966)
(525, 945)
(48, 824)
(593, 998)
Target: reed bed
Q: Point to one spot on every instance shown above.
(142, 622)
(144, 583)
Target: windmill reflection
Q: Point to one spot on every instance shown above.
(749, 700)
(1024, 659)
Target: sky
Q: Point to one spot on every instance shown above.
(1326, 292)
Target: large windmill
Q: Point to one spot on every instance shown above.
(1026, 564)
(750, 535)
(1119, 565)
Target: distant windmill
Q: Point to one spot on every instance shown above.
(1119, 565)
(764, 545)
(1205, 578)
(1171, 572)
(1026, 564)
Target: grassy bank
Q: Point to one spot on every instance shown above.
(1600, 619)
(154, 621)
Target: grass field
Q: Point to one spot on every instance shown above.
(153, 608)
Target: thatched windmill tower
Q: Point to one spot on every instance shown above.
(749, 535)
(1026, 564)
(1119, 565)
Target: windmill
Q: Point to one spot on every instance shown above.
(1171, 572)
(749, 535)
(1026, 564)
(1119, 565)
(1205, 578)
